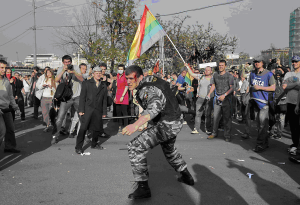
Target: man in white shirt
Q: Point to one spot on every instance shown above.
(26, 84)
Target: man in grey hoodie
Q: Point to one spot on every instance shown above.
(7, 102)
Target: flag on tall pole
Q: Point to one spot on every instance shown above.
(148, 33)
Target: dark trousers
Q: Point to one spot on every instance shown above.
(21, 105)
(36, 105)
(224, 110)
(294, 124)
(114, 110)
(81, 137)
(122, 111)
(7, 131)
(243, 108)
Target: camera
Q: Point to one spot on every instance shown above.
(70, 67)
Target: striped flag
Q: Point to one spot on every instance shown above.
(188, 78)
(148, 33)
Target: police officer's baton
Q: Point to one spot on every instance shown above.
(121, 117)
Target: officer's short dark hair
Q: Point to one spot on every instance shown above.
(134, 69)
(223, 61)
(66, 57)
(102, 65)
(114, 74)
(3, 62)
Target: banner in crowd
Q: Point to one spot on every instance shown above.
(204, 65)
(232, 56)
(148, 33)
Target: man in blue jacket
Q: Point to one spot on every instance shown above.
(261, 87)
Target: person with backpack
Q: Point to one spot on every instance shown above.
(261, 85)
(280, 106)
(67, 92)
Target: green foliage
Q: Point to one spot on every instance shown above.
(187, 37)
(118, 28)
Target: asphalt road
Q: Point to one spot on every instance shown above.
(45, 174)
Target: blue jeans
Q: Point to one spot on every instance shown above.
(225, 110)
(64, 107)
(279, 125)
(262, 119)
(207, 108)
(7, 130)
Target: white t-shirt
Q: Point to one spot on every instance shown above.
(47, 91)
(26, 86)
(292, 95)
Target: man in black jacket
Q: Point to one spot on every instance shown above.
(92, 107)
(159, 105)
(19, 89)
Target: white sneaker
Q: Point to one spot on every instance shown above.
(293, 151)
(184, 123)
(195, 131)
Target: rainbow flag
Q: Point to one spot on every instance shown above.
(148, 33)
(188, 78)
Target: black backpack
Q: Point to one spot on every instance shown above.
(64, 91)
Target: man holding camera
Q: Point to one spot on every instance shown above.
(71, 74)
(7, 129)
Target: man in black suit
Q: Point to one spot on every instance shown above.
(92, 107)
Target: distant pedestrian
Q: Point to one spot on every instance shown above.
(122, 97)
(48, 86)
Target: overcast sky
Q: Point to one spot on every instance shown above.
(256, 23)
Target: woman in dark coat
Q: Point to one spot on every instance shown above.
(92, 107)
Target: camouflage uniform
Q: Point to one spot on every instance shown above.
(163, 133)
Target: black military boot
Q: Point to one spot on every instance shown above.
(186, 177)
(142, 191)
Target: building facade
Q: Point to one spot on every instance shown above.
(294, 32)
(51, 60)
(282, 54)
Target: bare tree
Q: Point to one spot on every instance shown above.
(79, 35)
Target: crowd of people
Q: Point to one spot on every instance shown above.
(268, 93)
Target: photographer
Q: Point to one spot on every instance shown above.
(71, 74)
